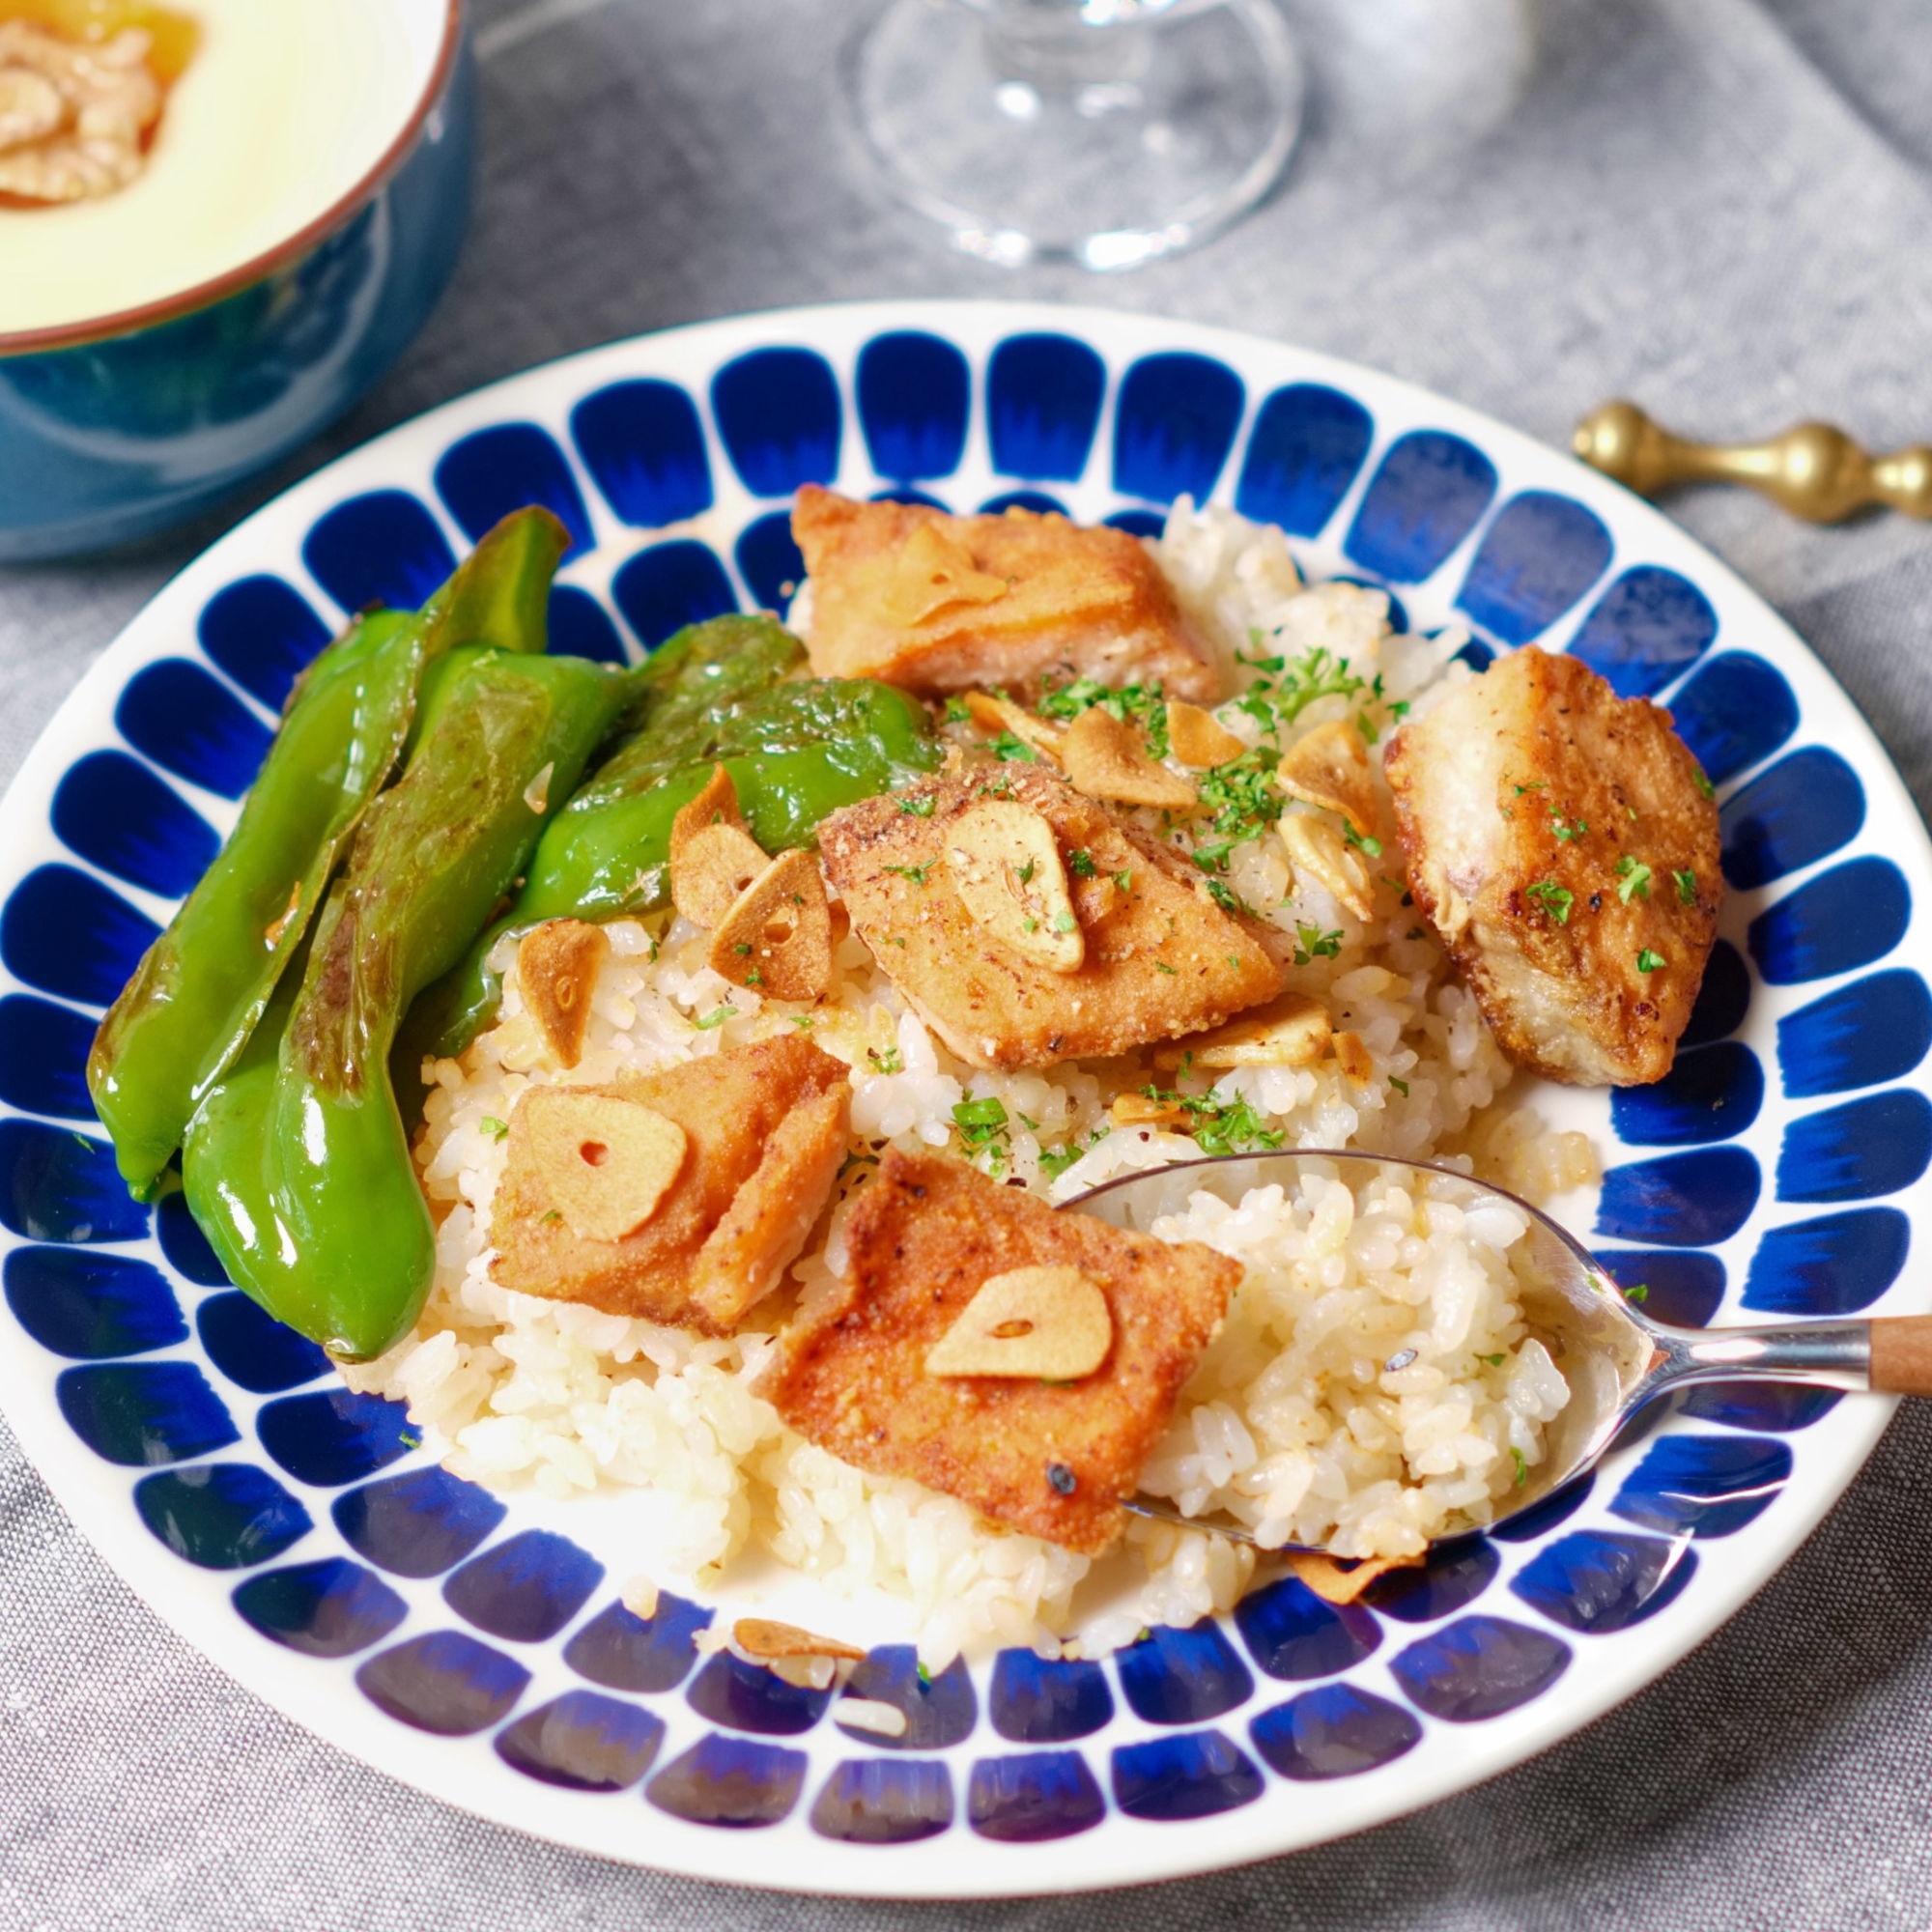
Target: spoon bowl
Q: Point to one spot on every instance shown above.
(1614, 1357)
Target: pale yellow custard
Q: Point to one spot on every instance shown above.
(282, 109)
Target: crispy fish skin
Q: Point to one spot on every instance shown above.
(937, 602)
(924, 1235)
(1517, 800)
(767, 1126)
(1161, 959)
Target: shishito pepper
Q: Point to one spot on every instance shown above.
(204, 984)
(296, 1165)
(797, 750)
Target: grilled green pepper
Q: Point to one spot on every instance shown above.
(796, 750)
(203, 985)
(296, 1165)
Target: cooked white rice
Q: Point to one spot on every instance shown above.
(1294, 1424)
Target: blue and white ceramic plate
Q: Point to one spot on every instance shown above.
(478, 1650)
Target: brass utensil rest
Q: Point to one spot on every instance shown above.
(1813, 471)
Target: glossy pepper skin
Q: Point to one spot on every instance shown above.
(797, 752)
(297, 1166)
(203, 985)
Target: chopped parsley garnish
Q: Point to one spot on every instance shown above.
(802, 1021)
(1080, 863)
(1542, 785)
(1242, 797)
(1064, 921)
(1123, 881)
(917, 808)
(493, 1127)
(1556, 899)
(1014, 750)
(1521, 1467)
(755, 978)
(1312, 943)
(958, 712)
(1366, 726)
(1495, 1361)
(981, 1122)
(1225, 896)
(1055, 1161)
(924, 1675)
(1142, 705)
(1161, 966)
(1648, 961)
(1634, 875)
(716, 1019)
(918, 874)
(1370, 848)
(1638, 1292)
(554, 1214)
(1315, 674)
(743, 949)
(1704, 784)
(1219, 1127)
(1566, 832)
(1686, 887)
(1024, 873)
(1400, 1086)
(891, 1061)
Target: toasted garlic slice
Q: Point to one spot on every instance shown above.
(557, 965)
(778, 934)
(712, 858)
(1049, 1324)
(607, 1164)
(1136, 1110)
(934, 571)
(1318, 849)
(1106, 759)
(761, 1637)
(1291, 1030)
(1001, 714)
(1330, 768)
(1332, 1583)
(1005, 864)
(1351, 1056)
(1199, 740)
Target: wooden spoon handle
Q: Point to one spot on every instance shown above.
(1902, 1355)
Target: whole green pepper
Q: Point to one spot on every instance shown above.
(202, 986)
(296, 1165)
(796, 752)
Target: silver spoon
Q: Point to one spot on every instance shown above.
(1613, 1357)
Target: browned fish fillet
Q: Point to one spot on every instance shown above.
(1563, 842)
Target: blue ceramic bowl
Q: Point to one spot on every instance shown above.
(113, 428)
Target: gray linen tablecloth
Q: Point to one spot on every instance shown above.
(1723, 208)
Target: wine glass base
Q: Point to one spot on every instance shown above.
(1107, 146)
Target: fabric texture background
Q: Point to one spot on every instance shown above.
(1722, 208)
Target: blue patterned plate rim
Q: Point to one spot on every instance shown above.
(143, 1398)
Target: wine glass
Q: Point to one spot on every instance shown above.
(1103, 132)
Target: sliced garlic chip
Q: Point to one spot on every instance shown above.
(607, 1164)
(761, 1637)
(1317, 848)
(1333, 1585)
(1199, 739)
(1001, 714)
(1137, 1110)
(1005, 864)
(934, 571)
(1106, 759)
(1044, 1324)
(1291, 1030)
(778, 935)
(1330, 768)
(558, 966)
(1351, 1056)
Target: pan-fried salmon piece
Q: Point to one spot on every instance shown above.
(1563, 842)
(1161, 959)
(938, 602)
(1053, 1460)
(767, 1127)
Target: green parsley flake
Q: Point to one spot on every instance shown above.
(1495, 1361)
(1064, 921)
(1566, 832)
(958, 711)
(1080, 863)
(1366, 726)
(1635, 877)
(1124, 882)
(1400, 1086)
(1704, 784)
(1686, 887)
(1142, 705)
(917, 808)
(1014, 751)
(493, 1127)
(1161, 966)
(891, 1061)
(1542, 785)
(1648, 961)
(716, 1019)
(1370, 847)
(1312, 943)
(1219, 1125)
(980, 1122)
(1641, 1291)
(1521, 1467)
(918, 874)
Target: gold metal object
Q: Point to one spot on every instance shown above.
(1813, 471)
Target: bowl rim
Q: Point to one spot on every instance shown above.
(203, 294)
